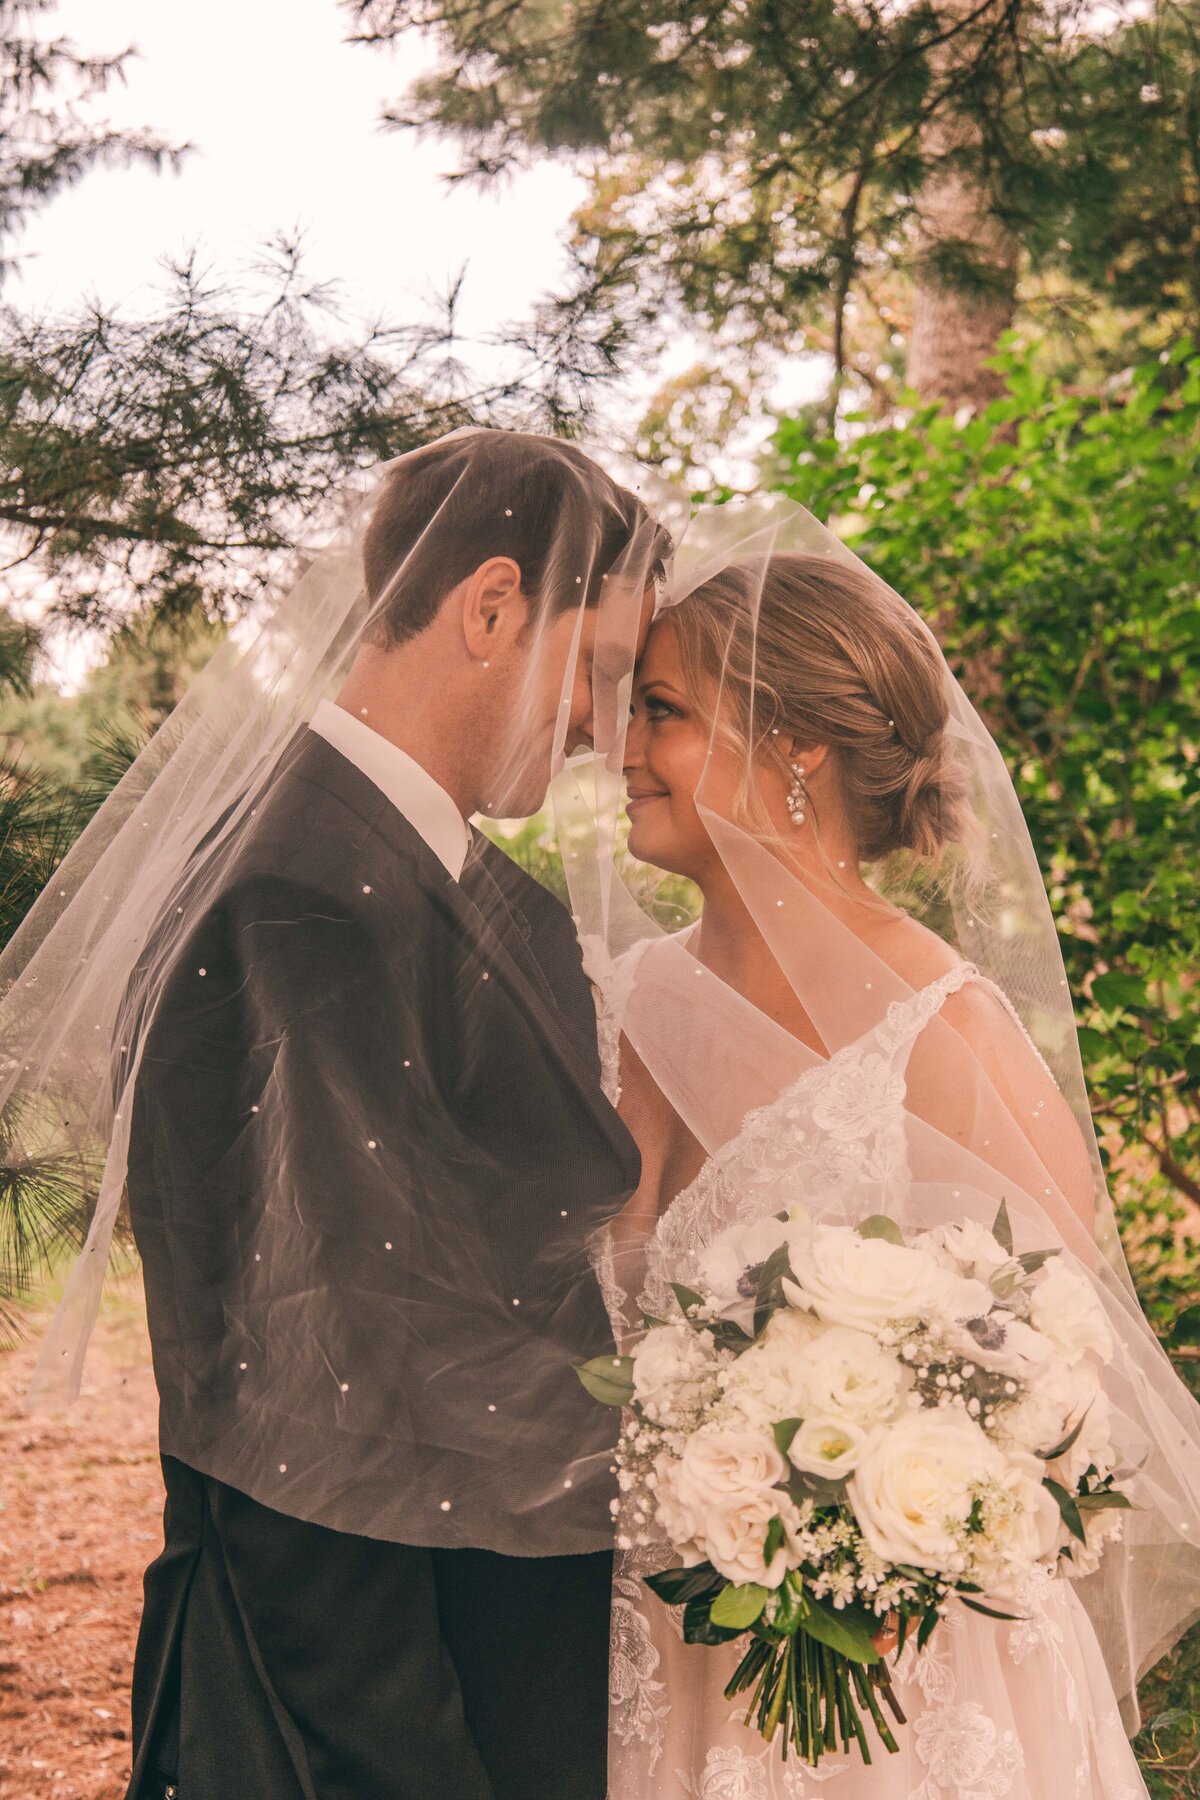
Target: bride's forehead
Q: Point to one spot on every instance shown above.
(660, 661)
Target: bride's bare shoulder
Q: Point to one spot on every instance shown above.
(917, 954)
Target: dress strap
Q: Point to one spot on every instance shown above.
(907, 1019)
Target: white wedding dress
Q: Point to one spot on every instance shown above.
(996, 1711)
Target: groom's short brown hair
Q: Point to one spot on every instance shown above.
(444, 510)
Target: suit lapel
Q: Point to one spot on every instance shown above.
(480, 909)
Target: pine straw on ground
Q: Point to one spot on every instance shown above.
(80, 1517)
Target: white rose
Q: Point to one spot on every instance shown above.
(734, 1537)
(870, 1282)
(677, 1513)
(721, 1462)
(828, 1447)
(668, 1358)
(1064, 1305)
(912, 1492)
(729, 1265)
(848, 1375)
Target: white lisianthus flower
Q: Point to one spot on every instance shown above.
(728, 1267)
(827, 1446)
(914, 1488)
(1066, 1308)
(669, 1360)
(849, 1375)
(870, 1282)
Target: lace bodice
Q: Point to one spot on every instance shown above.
(835, 1138)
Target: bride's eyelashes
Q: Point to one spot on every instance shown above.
(655, 707)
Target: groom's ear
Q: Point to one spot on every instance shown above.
(494, 609)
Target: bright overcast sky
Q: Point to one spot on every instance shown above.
(283, 116)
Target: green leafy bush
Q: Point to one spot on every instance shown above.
(1051, 542)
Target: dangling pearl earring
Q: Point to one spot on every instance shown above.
(797, 800)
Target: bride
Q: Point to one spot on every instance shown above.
(868, 1015)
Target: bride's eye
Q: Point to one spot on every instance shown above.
(659, 709)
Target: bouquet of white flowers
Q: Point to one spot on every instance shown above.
(844, 1430)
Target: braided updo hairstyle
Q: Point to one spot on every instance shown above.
(829, 655)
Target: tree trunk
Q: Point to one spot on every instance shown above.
(955, 329)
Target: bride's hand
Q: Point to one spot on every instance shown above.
(888, 1635)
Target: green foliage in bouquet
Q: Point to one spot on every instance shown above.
(820, 1616)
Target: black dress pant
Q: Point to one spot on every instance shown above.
(278, 1660)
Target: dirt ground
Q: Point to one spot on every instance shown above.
(80, 1517)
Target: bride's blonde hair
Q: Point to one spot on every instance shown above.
(829, 655)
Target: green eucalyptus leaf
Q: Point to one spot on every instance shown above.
(1033, 1260)
(1106, 1502)
(773, 1540)
(878, 1225)
(608, 1379)
(678, 1586)
(1062, 1448)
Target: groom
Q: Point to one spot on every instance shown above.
(367, 1128)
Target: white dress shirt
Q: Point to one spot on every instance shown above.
(410, 788)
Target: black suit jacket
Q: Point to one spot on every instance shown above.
(367, 1117)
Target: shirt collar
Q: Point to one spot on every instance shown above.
(411, 789)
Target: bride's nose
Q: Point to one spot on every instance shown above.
(634, 751)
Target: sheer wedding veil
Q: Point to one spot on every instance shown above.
(285, 1312)
(784, 642)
